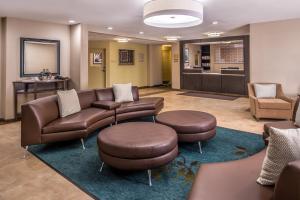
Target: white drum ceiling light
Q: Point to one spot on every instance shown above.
(173, 13)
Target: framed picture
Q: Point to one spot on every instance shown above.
(97, 58)
(126, 57)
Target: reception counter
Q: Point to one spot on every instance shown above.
(214, 82)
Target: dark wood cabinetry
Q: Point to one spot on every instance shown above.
(211, 83)
(233, 84)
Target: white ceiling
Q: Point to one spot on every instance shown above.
(126, 16)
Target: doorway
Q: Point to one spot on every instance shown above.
(166, 65)
(97, 66)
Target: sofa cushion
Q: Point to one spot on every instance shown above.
(284, 147)
(78, 121)
(150, 103)
(277, 104)
(68, 102)
(279, 125)
(106, 94)
(265, 90)
(86, 98)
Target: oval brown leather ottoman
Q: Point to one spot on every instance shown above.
(191, 126)
(137, 146)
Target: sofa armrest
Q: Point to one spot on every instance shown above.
(288, 185)
(108, 105)
(253, 104)
(31, 126)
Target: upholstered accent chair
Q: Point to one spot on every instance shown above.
(280, 107)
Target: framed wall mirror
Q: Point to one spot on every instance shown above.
(39, 54)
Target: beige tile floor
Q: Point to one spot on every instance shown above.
(32, 179)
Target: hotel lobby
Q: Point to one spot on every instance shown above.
(151, 99)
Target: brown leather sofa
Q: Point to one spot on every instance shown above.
(236, 180)
(280, 107)
(41, 122)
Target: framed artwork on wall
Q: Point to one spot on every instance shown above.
(97, 58)
(126, 57)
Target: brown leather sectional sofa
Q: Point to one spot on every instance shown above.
(41, 122)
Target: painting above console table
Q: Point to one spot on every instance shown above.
(37, 55)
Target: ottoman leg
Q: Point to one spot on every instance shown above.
(149, 177)
(25, 152)
(102, 164)
(200, 148)
(82, 142)
(153, 118)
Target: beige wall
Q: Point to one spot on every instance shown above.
(175, 66)
(275, 54)
(16, 28)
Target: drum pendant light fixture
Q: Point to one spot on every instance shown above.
(173, 13)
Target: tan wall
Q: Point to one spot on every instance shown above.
(166, 63)
(96, 74)
(135, 74)
(175, 66)
(155, 65)
(275, 54)
(1, 78)
(16, 28)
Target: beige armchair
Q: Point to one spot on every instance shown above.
(280, 107)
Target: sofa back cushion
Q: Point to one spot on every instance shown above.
(265, 90)
(86, 98)
(46, 109)
(106, 94)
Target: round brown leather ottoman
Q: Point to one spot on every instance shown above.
(137, 146)
(191, 126)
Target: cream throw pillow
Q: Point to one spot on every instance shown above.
(284, 147)
(265, 90)
(68, 102)
(123, 92)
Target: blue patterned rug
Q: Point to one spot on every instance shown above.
(170, 182)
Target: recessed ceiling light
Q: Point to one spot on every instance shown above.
(215, 22)
(71, 21)
(122, 40)
(141, 32)
(172, 38)
(213, 34)
(173, 13)
(109, 28)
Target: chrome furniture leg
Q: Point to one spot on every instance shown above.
(149, 177)
(25, 152)
(200, 148)
(102, 164)
(82, 142)
(153, 118)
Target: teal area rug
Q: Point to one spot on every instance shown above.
(169, 182)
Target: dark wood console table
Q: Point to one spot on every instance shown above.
(34, 87)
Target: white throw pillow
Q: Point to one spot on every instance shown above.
(265, 90)
(68, 102)
(284, 147)
(123, 92)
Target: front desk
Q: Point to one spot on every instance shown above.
(214, 82)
